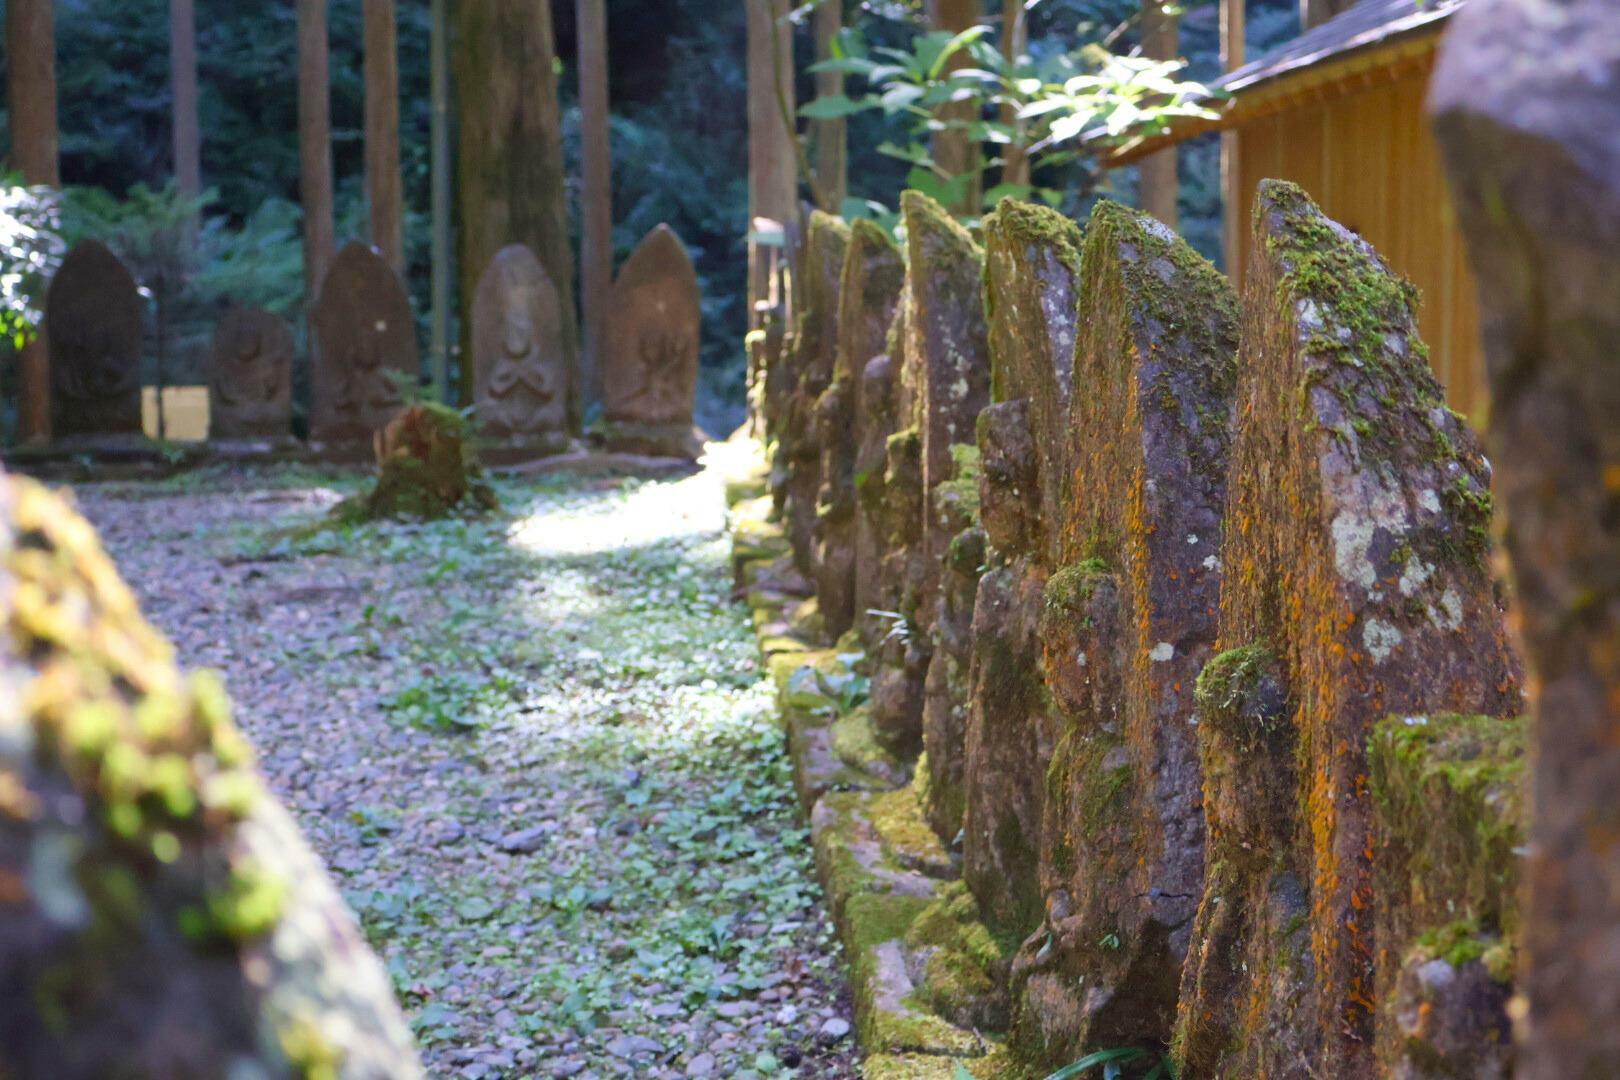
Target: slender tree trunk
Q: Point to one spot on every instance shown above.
(31, 94)
(511, 165)
(1313, 13)
(596, 204)
(439, 92)
(954, 151)
(1161, 40)
(383, 192)
(183, 88)
(314, 148)
(773, 186)
(1014, 40)
(831, 136)
(1233, 50)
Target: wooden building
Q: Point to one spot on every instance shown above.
(1339, 110)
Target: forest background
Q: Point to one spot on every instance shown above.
(679, 140)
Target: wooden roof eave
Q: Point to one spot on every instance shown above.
(1378, 65)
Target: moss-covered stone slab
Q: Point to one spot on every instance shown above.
(888, 1017)
(948, 346)
(852, 856)
(946, 686)
(1031, 293)
(961, 965)
(162, 915)
(1031, 287)
(1449, 824)
(874, 423)
(810, 372)
(1356, 549)
(869, 291)
(903, 648)
(1128, 620)
(1525, 113)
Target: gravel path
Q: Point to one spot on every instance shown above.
(537, 752)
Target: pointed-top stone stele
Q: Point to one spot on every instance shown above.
(94, 319)
(519, 357)
(650, 367)
(363, 331)
(1127, 622)
(250, 376)
(1356, 582)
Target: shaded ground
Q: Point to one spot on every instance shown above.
(536, 750)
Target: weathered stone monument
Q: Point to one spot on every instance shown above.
(869, 289)
(365, 337)
(650, 366)
(520, 360)
(95, 319)
(1128, 620)
(1527, 113)
(1355, 587)
(950, 357)
(1032, 277)
(250, 376)
(809, 373)
(163, 917)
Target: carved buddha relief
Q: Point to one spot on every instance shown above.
(364, 332)
(519, 357)
(650, 366)
(94, 319)
(250, 381)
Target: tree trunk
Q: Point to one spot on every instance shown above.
(596, 203)
(511, 165)
(1233, 52)
(773, 185)
(31, 93)
(439, 92)
(954, 152)
(383, 192)
(1313, 13)
(314, 148)
(831, 136)
(183, 86)
(1161, 40)
(1014, 40)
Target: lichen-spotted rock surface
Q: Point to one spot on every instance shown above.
(536, 750)
(1355, 578)
(162, 917)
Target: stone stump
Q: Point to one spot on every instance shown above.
(94, 322)
(520, 359)
(1355, 587)
(1528, 118)
(250, 377)
(1128, 620)
(809, 372)
(869, 290)
(650, 365)
(163, 917)
(1032, 270)
(365, 339)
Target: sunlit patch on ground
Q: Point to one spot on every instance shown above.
(537, 751)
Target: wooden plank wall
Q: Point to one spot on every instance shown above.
(1369, 161)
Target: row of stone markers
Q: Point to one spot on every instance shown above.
(365, 343)
(1143, 667)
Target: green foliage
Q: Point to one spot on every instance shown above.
(31, 248)
(1113, 1061)
(1058, 99)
